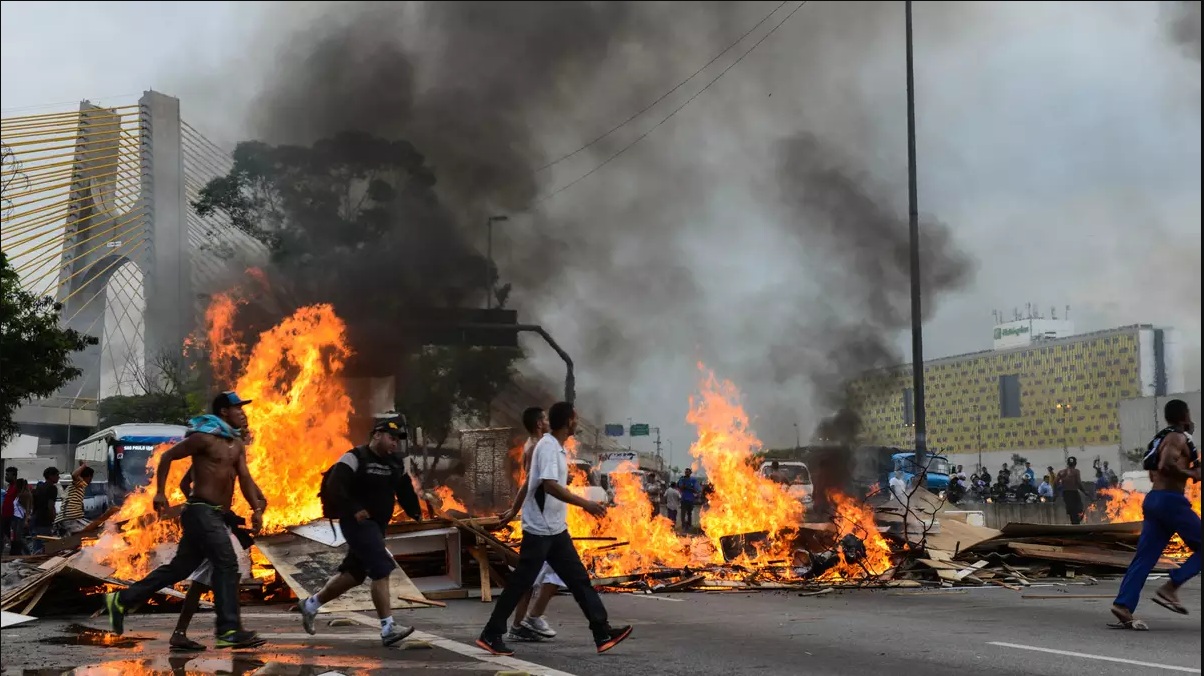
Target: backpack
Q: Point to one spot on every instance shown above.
(326, 492)
(1150, 461)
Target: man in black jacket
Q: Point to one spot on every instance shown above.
(364, 482)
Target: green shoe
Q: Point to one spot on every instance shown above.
(116, 613)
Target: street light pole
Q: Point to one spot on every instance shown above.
(913, 223)
(489, 258)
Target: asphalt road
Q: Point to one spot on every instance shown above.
(978, 631)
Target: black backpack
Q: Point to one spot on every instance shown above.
(326, 493)
(1150, 461)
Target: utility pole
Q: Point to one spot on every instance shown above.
(629, 434)
(658, 446)
(913, 218)
(489, 258)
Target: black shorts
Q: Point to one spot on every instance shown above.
(367, 556)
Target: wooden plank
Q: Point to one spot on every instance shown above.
(424, 602)
(680, 585)
(305, 566)
(1067, 596)
(1090, 556)
(37, 597)
(939, 565)
(966, 572)
(478, 553)
(1084, 530)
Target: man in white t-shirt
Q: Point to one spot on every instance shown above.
(533, 626)
(546, 538)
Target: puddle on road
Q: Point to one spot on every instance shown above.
(78, 634)
(236, 665)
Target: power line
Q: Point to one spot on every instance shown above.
(662, 97)
(675, 111)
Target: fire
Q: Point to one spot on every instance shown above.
(299, 412)
(852, 518)
(225, 342)
(1123, 506)
(743, 500)
(449, 501)
(650, 543)
(299, 416)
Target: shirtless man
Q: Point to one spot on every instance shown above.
(1172, 460)
(532, 627)
(214, 443)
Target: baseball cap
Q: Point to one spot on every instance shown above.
(227, 399)
(393, 426)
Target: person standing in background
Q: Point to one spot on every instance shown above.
(73, 519)
(22, 506)
(6, 512)
(672, 503)
(45, 495)
(1070, 482)
(690, 492)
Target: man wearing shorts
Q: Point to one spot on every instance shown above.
(364, 482)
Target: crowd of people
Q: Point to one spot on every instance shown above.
(33, 511)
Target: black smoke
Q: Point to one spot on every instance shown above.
(1182, 18)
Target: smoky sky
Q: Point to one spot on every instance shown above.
(762, 231)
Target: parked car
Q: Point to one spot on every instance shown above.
(798, 479)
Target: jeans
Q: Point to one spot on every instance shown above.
(559, 553)
(1166, 513)
(205, 536)
(18, 543)
(687, 515)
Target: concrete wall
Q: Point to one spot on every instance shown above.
(999, 515)
(1140, 419)
(1040, 457)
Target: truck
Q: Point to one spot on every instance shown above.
(798, 479)
(937, 475)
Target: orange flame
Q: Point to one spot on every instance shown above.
(743, 501)
(299, 415)
(449, 501)
(1123, 506)
(853, 518)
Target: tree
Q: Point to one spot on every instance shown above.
(355, 221)
(171, 393)
(35, 352)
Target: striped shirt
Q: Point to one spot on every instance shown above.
(73, 504)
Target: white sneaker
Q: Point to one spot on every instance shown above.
(539, 626)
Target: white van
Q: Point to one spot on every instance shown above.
(797, 476)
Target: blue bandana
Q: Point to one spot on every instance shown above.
(211, 424)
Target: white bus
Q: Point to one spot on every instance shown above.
(119, 456)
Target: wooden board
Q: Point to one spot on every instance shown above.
(305, 566)
(1084, 530)
(959, 536)
(1089, 556)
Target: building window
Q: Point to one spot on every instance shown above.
(1009, 396)
(909, 407)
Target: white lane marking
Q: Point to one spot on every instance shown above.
(654, 597)
(1153, 665)
(468, 650)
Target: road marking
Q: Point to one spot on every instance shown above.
(467, 650)
(1153, 665)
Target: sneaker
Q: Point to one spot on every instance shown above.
(539, 626)
(239, 638)
(611, 637)
(397, 633)
(494, 645)
(308, 618)
(182, 644)
(116, 613)
(521, 633)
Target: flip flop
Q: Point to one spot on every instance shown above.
(1173, 606)
(1135, 625)
(1126, 622)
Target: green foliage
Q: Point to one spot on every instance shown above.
(354, 221)
(447, 383)
(164, 408)
(35, 352)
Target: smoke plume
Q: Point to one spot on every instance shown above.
(763, 230)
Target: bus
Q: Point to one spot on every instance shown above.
(119, 455)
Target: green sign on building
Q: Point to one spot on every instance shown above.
(639, 430)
